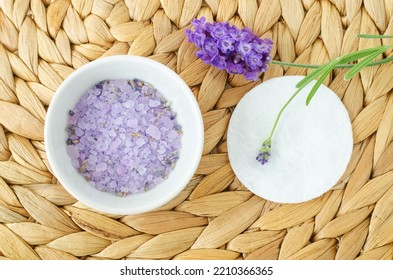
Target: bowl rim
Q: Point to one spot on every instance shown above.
(152, 204)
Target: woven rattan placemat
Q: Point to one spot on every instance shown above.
(215, 217)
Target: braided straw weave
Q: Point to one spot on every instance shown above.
(214, 217)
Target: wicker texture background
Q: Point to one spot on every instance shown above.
(215, 217)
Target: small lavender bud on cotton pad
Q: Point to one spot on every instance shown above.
(123, 137)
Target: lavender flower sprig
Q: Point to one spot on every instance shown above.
(229, 48)
(264, 152)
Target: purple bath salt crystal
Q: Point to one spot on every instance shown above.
(154, 132)
(167, 122)
(72, 151)
(101, 167)
(116, 109)
(141, 170)
(78, 132)
(76, 163)
(161, 150)
(154, 103)
(122, 136)
(140, 107)
(119, 121)
(140, 142)
(129, 104)
(115, 144)
(172, 135)
(92, 159)
(121, 169)
(132, 123)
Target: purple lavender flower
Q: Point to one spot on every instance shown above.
(203, 55)
(252, 75)
(225, 44)
(262, 46)
(199, 23)
(254, 60)
(264, 152)
(235, 68)
(227, 47)
(219, 30)
(197, 37)
(219, 62)
(210, 47)
(245, 49)
(244, 34)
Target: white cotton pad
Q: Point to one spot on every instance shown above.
(311, 147)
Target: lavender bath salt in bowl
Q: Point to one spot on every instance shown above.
(131, 172)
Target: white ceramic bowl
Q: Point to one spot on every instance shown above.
(173, 88)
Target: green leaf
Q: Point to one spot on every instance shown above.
(327, 68)
(342, 60)
(372, 36)
(359, 54)
(318, 83)
(314, 74)
(362, 64)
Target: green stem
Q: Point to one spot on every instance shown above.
(338, 66)
(372, 36)
(281, 111)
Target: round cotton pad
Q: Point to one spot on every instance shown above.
(311, 146)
